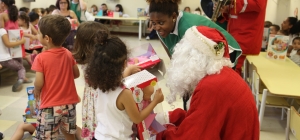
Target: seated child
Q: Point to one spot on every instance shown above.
(274, 29)
(94, 10)
(116, 110)
(7, 61)
(294, 48)
(30, 31)
(54, 84)
(119, 9)
(296, 57)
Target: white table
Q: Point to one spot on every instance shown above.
(140, 19)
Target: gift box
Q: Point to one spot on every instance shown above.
(31, 44)
(110, 13)
(277, 47)
(149, 127)
(32, 107)
(14, 36)
(74, 24)
(143, 56)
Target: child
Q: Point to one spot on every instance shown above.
(7, 61)
(8, 19)
(34, 19)
(38, 11)
(116, 108)
(119, 8)
(282, 32)
(54, 83)
(296, 57)
(87, 35)
(24, 9)
(23, 22)
(274, 29)
(294, 48)
(94, 10)
(187, 9)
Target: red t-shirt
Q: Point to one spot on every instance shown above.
(59, 87)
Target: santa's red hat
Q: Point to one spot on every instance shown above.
(208, 41)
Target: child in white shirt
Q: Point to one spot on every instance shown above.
(7, 61)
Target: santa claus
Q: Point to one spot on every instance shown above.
(221, 106)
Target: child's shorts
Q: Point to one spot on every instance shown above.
(51, 119)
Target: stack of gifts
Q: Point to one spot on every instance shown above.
(143, 56)
(277, 47)
(149, 127)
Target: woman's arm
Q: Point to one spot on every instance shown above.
(126, 101)
(9, 44)
(82, 5)
(73, 15)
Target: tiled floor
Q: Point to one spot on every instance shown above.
(13, 104)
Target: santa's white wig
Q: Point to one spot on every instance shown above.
(194, 57)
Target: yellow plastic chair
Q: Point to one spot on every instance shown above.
(295, 123)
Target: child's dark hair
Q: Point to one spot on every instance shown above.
(48, 10)
(12, 9)
(33, 16)
(267, 24)
(36, 10)
(43, 11)
(284, 32)
(167, 7)
(276, 27)
(52, 8)
(86, 38)
(24, 9)
(187, 8)
(56, 27)
(296, 25)
(120, 8)
(296, 38)
(106, 66)
(24, 16)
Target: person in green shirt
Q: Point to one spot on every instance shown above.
(78, 6)
(171, 26)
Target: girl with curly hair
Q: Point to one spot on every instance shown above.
(116, 110)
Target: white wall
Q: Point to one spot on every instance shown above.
(130, 6)
(271, 10)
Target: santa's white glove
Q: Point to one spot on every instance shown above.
(162, 118)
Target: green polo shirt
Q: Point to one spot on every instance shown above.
(74, 8)
(186, 21)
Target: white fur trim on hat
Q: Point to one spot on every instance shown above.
(202, 43)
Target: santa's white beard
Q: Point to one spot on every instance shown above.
(188, 66)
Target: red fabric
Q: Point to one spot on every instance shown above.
(246, 24)
(215, 36)
(59, 87)
(240, 64)
(222, 108)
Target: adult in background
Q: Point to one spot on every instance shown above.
(171, 26)
(79, 7)
(291, 26)
(221, 106)
(63, 9)
(246, 25)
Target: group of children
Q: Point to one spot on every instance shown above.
(293, 51)
(104, 61)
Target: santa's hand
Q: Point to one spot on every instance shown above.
(158, 97)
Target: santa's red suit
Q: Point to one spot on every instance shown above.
(221, 106)
(246, 25)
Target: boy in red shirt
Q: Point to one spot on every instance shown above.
(54, 84)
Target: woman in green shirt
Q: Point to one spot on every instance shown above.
(171, 26)
(77, 6)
